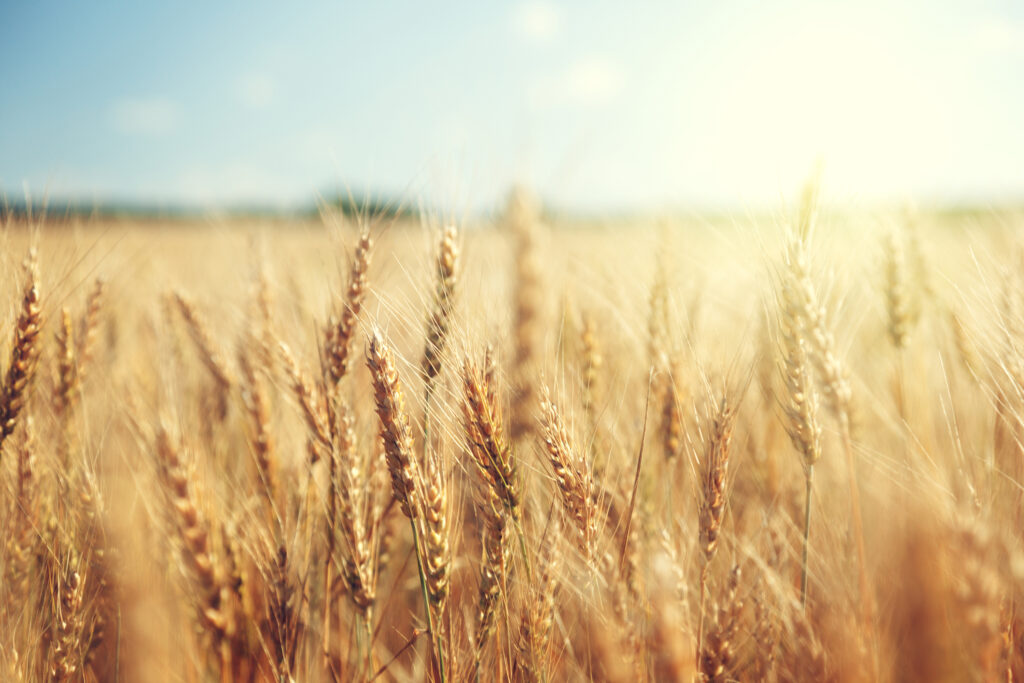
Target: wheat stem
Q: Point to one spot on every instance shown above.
(807, 537)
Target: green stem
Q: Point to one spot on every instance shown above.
(700, 614)
(368, 622)
(522, 548)
(807, 535)
(903, 408)
(426, 601)
(867, 604)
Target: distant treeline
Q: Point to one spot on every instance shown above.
(376, 206)
(58, 209)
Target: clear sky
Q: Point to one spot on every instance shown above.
(665, 104)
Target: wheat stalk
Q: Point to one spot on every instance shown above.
(88, 325)
(440, 315)
(714, 496)
(719, 645)
(801, 399)
(24, 352)
(398, 449)
(194, 533)
(340, 331)
(485, 439)
(522, 220)
(394, 425)
(572, 475)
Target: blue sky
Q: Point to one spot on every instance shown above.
(724, 104)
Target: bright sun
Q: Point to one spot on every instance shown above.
(827, 89)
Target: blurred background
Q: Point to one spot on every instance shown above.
(667, 106)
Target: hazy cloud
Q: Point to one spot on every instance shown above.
(594, 80)
(588, 81)
(999, 36)
(537, 20)
(145, 116)
(256, 90)
(235, 182)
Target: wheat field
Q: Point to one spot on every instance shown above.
(782, 448)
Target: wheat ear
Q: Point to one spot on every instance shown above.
(24, 352)
(396, 435)
(801, 406)
(341, 330)
(440, 315)
(572, 475)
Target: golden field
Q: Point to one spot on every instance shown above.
(758, 448)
